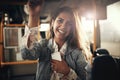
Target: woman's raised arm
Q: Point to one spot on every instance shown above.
(34, 9)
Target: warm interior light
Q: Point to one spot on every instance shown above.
(90, 16)
(87, 24)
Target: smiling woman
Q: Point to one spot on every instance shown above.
(65, 53)
(65, 40)
(63, 27)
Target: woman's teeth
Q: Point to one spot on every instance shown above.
(61, 31)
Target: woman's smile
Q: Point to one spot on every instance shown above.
(63, 26)
(61, 31)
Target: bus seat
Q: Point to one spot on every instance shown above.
(104, 68)
(100, 51)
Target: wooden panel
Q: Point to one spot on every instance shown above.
(15, 25)
(20, 62)
(1, 51)
(1, 41)
(1, 32)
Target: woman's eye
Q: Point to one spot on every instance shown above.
(69, 24)
(60, 20)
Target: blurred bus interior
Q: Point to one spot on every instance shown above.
(102, 31)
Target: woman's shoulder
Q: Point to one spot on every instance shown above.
(78, 55)
(75, 51)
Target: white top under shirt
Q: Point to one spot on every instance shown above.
(57, 56)
(55, 76)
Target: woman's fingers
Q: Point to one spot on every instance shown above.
(54, 67)
(35, 2)
(34, 7)
(60, 66)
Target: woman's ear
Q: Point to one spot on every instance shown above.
(52, 22)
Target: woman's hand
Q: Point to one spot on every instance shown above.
(60, 67)
(34, 9)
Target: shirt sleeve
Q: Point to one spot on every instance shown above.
(81, 63)
(33, 52)
(72, 75)
(58, 76)
(29, 31)
(88, 69)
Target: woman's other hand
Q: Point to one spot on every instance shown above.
(60, 66)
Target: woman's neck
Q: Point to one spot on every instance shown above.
(59, 42)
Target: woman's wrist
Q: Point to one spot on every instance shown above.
(71, 75)
(33, 21)
(67, 72)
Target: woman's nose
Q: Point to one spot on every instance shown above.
(63, 25)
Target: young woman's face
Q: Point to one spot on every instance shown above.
(62, 26)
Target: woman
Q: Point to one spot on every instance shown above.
(65, 40)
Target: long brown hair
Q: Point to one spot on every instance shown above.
(77, 38)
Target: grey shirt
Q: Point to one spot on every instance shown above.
(42, 51)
